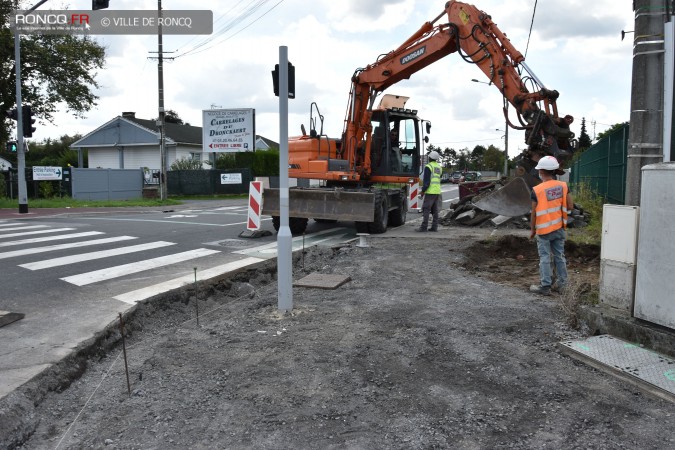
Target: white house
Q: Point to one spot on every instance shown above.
(4, 164)
(126, 142)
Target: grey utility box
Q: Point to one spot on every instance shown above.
(655, 276)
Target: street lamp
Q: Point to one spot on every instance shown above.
(506, 135)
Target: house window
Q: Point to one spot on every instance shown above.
(196, 156)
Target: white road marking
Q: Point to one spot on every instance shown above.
(18, 226)
(50, 248)
(22, 227)
(296, 241)
(50, 238)
(28, 233)
(149, 291)
(140, 266)
(72, 259)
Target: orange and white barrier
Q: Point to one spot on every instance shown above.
(413, 196)
(254, 205)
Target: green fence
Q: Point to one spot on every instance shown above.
(603, 166)
(207, 182)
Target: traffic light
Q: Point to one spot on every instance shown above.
(291, 80)
(28, 121)
(11, 146)
(99, 4)
(12, 114)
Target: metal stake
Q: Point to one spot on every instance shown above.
(124, 350)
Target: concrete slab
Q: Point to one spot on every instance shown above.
(647, 369)
(322, 281)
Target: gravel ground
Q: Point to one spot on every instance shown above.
(415, 351)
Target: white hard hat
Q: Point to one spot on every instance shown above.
(434, 155)
(548, 163)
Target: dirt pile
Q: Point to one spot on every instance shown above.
(414, 352)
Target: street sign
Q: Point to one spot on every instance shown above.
(230, 178)
(228, 130)
(47, 173)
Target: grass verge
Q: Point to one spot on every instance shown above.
(67, 202)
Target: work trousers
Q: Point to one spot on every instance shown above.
(552, 244)
(431, 204)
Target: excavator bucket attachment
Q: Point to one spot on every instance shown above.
(512, 200)
(323, 204)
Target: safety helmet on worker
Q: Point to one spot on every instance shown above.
(434, 155)
(548, 163)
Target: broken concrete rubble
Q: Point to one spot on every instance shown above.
(464, 211)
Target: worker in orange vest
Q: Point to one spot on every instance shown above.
(551, 202)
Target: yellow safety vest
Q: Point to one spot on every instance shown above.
(435, 184)
(551, 211)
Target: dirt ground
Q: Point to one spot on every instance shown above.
(433, 343)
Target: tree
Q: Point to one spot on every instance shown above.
(56, 71)
(172, 116)
(476, 158)
(493, 159)
(450, 155)
(584, 139)
(611, 129)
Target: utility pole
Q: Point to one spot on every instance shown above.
(160, 92)
(645, 139)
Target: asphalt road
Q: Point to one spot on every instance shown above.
(72, 274)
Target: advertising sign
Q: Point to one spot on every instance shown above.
(228, 130)
(47, 173)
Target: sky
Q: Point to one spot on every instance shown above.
(574, 47)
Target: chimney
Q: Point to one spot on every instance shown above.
(129, 114)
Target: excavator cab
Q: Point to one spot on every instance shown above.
(395, 143)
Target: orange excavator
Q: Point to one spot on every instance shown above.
(365, 175)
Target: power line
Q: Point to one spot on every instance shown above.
(229, 26)
(531, 24)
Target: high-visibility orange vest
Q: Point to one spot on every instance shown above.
(551, 211)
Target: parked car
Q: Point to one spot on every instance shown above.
(445, 177)
(470, 176)
(454, 178)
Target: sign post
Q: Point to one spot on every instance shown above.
(284, 237)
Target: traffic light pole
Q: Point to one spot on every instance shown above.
(20, 151)
(20, 154)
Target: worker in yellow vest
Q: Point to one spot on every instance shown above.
(431, 192)
(551, 202)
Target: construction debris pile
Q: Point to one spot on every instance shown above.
(473, 209)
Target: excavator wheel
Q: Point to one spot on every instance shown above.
(298, 225)
(398, 216)
(379, 225)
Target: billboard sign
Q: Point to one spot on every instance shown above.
(228, 130)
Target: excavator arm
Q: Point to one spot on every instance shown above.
(471, 33)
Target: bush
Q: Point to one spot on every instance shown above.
(186, 164)
(592, 203)
(263, 163)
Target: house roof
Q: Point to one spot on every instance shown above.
(270, 143)
(180, 134)
(129, 130)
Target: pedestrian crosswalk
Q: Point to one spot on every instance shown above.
(23, 235)
(84, 258)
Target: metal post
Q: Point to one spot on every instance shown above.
(284, 238)
(160, 89)
(506, 148)
(20, 154)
